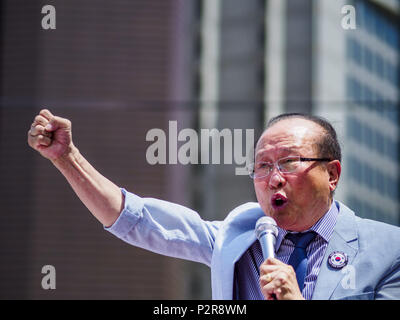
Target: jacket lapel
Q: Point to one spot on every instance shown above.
(235, 237)
(344, 239)
(231, 255)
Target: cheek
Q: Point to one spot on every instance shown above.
(261, 191)
(314, 186)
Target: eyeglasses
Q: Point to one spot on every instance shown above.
(284, 165)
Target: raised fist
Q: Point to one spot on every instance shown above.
(50, 135)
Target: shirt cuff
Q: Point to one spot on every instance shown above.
(130, 215)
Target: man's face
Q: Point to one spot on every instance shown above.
(295, 200)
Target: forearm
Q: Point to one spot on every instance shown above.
(103, 198)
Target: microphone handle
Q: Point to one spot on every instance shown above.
(267, 241)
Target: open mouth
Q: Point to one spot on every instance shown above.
(278, 201)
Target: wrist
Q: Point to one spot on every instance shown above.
(69, 157)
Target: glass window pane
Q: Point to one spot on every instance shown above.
(368, 59)
(379, 65)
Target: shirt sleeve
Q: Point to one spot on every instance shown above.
(165, 228)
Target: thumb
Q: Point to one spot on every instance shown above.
(58, 123)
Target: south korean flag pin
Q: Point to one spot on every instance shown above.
(337, 259)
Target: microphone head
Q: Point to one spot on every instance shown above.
(266, 224)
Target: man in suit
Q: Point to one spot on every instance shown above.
(296, 171)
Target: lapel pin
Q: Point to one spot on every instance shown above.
(337, 259)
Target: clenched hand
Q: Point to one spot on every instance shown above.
(50, 135)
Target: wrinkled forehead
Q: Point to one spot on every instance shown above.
(289, 137)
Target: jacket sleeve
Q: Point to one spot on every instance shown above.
(165, 228)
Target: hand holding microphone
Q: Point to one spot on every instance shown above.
(277, 279)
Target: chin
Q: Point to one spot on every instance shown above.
(283, 218)
(282, 222)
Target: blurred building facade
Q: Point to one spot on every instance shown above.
(113, 69)
(118, 70)
(357, 85)
(298, 56)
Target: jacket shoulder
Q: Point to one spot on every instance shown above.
(244, 216)
(241, 219)
(375, 232)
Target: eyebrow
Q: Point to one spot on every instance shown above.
(283, 150)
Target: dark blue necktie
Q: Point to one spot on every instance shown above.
(298, 259)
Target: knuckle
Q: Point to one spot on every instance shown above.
(45, 112)
(39, 120)
(31, 133)
(266, 279)
(264, 283)
(281, 283)
(283, 280)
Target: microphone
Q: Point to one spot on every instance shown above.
(266, 232)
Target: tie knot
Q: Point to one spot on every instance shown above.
(301, 240)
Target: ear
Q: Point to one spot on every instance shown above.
(334, 169)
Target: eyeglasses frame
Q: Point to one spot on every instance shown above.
(275, 165)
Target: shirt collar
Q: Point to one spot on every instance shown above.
(323, 227)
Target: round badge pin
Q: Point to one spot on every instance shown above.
(337, 259)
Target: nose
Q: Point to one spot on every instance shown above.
(276, 180)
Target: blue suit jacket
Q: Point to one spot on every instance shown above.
(373, 248)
